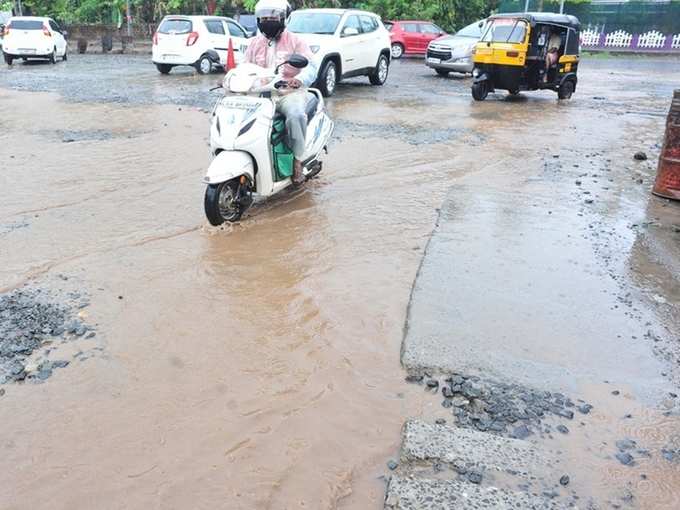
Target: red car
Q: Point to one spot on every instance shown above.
(412, 37)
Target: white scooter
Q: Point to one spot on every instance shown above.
(244, 158)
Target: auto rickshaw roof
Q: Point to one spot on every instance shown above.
(546, 18)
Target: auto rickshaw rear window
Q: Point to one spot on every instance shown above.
(505, 31)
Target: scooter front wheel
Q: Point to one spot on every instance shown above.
(221, 202)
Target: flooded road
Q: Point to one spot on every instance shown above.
(258, 365)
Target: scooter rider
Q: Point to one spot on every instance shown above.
(271, 47)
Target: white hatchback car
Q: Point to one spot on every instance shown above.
(198, 41)
(29, 37)
(345, 43)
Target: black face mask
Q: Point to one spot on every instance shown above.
(270, 28)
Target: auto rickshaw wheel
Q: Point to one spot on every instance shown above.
(566, 90)
(480, 90)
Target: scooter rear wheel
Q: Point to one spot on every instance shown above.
(221, 202)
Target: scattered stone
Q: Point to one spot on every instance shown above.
(471, 389)
(2, 392)
(625, 444)
(563, 429)
(440, 421)
(625, 458)
(447, 392)
(392, 464)
(432, 383)
(565, 413)
(585, 408)
(414, 378)
(474, 477)
(564, 480)
(671, 455)
(521, 432)
(640, 156)
(616, 392)
(459, 401)
(588, 200)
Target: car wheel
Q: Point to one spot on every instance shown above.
(480, 90)
(8, 59)
(204, 65)
(163, 68)
(442, 72)
(53, 56)
(328, 79)
(379, 74)
(397, 50)
(566, 90)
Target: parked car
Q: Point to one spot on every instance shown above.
(198, 41)
(30, 37)
(249, 22)
(412, 37)
(454, 52)
(345, 43)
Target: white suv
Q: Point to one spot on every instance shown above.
(198, 41)
(31, 37)
(345, 43)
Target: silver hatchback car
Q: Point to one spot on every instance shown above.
(454, 52)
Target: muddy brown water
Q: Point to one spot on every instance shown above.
(255, 365)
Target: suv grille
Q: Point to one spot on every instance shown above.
(439, 52)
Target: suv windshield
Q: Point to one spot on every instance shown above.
(175, 26)
(26, 24)
(473, 30)
(313, 22)
(505, 30)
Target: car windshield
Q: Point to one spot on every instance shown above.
(26, 24)
(473, 30)
(313, 22)
(175, 26)
(505, 30)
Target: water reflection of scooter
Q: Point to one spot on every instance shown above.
(247, 141)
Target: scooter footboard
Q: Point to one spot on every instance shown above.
(229, 164)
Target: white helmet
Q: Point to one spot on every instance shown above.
(271, 17)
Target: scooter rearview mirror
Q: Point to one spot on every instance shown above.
(298, 61)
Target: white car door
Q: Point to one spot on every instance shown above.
(371, 40)
(351, 45)
(58, 36)
(217, 37)
(239, 39)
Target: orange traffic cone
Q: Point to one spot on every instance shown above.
(667, 183)
(231, 61)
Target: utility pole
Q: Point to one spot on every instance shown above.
(526, 6)
(561, 6)
(20, 10)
